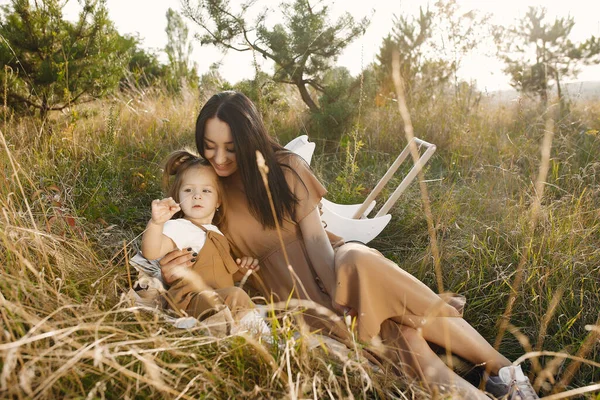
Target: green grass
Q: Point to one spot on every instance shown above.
(79, 194)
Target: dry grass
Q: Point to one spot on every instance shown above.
(74, 195)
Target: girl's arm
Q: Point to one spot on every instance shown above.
(319, 249)
(154, 243)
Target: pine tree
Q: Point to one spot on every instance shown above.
(179, 50)
(302, 48)
(538, 53)
(430, 46)
(53, 63)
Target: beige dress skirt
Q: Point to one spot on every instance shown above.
(385, 297)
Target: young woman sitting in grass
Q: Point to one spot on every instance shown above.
(187, 220)
(397, 316)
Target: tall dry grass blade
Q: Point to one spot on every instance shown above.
(264, 170)
(127, 265)
(545, 322)
(577, 360)
(292, 389)
(414, 151)
(588, 344)
(15, 171)
(574, 392)
(6, 67)
(409, 132)
(548, 373)
(535, 210)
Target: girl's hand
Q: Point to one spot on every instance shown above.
(248, 263)
(343, 310)
(175, 260)
(163, 210)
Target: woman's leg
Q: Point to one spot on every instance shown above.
(379, 290)
(456, 335)
(406, 347)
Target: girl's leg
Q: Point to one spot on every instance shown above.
(456, 335)
(208, 302)
(236, 299)
(409, 349)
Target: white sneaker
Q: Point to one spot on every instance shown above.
(253, 323)
(511, 383)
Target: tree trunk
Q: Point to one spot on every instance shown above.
(544, 96)
(44, 109)
(559, 93)
(306, 96)
(545, 77)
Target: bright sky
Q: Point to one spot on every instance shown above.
(147, 18)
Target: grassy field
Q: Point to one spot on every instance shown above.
(75, 194)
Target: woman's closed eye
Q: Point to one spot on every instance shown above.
(229, 150)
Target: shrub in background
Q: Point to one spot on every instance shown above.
(53, 63)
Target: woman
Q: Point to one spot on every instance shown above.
(389, 303)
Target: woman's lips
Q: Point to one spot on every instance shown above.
(221, 167)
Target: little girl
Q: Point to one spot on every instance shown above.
(185, 220)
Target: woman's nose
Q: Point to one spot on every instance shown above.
(220, 157)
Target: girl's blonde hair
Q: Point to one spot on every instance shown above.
(177, 163)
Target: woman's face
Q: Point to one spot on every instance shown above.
(219, 149)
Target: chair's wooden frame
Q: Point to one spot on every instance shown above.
(351, 221)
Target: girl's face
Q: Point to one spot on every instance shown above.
(219, 149)
(198, 194)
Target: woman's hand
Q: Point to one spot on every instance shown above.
(248, 263)
(173, 261)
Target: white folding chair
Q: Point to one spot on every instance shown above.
(302, 147)
(351, 221)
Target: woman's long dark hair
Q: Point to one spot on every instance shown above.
(249, 134)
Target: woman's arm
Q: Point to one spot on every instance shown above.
(322, 255)
(319, 248)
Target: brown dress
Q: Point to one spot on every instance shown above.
(208, 285)
(383, 294)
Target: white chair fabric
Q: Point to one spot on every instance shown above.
(337, 218)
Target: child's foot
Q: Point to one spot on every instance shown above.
(511, 383)
(255, 324)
